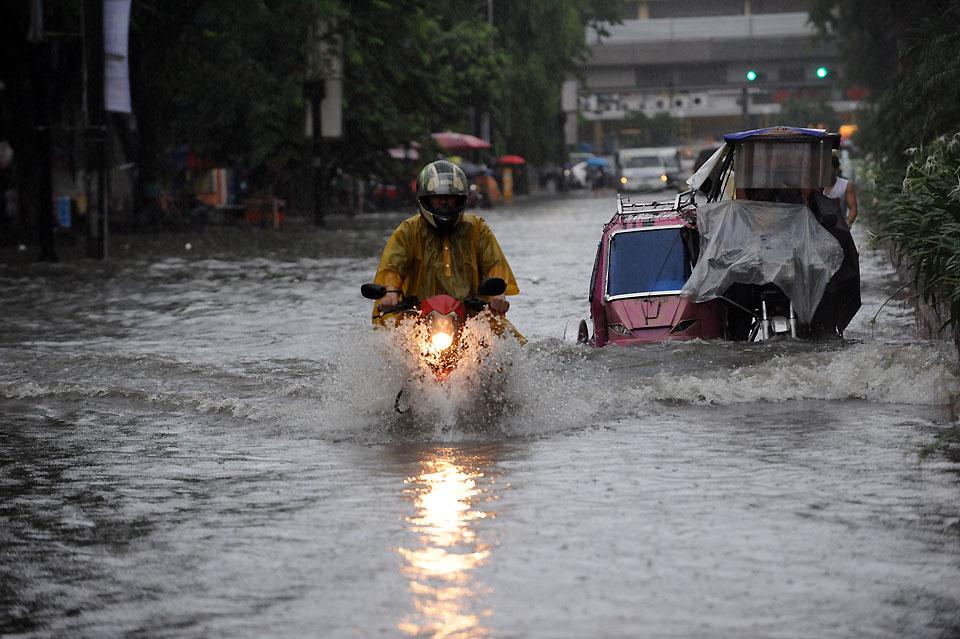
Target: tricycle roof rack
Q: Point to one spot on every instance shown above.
(629, 209)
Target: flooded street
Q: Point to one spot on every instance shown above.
(200, 441)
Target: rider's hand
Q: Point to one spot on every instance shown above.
(390, 300)
(499, 304)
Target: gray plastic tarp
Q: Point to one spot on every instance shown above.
(747, 242)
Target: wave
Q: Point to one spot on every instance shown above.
(882, 373)
(545, 387)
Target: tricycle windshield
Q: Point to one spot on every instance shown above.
(765, 164)
(646, 261)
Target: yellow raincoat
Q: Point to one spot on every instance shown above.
(419, 261)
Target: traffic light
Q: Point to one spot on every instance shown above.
(751, 75)
(822, 72)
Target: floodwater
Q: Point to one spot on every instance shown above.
(201, 442)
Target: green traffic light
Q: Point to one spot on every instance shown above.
(751, 75)
(822, 72)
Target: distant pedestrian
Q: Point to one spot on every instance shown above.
(598, 179)
(844, 192)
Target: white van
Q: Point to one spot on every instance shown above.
(642, 170)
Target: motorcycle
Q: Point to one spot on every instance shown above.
(438, 334)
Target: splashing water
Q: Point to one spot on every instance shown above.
(500, 389)
(497, 388)
(875, 373)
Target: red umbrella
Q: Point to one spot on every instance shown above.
(410, 152)
(511, 159)
(459, 141)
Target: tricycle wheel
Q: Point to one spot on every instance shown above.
(583, 333)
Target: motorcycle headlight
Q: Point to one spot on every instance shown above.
(440, 341)
(442, 329)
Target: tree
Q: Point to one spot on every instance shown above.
(226, 77)
(220, 76)
(545, 40)
(905, 55)
(410, 69)
(813, 113)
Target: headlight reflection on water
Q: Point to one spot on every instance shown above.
(440, 568)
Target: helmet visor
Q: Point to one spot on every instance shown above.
(444, 206)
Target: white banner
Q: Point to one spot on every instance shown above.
(331, 109)
(116, 77)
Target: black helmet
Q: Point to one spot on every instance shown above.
(442, 178)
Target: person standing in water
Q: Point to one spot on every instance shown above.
(844, 192)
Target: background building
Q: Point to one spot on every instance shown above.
(717, 65)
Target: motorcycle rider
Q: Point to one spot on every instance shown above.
(441, 249)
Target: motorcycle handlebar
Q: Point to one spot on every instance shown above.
(475, 304)
(406, 304)
(409, 303)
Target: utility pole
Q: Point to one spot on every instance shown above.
(323, 91)
(486, 127)
(41, 103)
(314, 91)
(95, 126)
(744, 107)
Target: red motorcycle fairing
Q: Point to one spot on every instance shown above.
(443, 304)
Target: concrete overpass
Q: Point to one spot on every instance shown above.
(690, 58)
